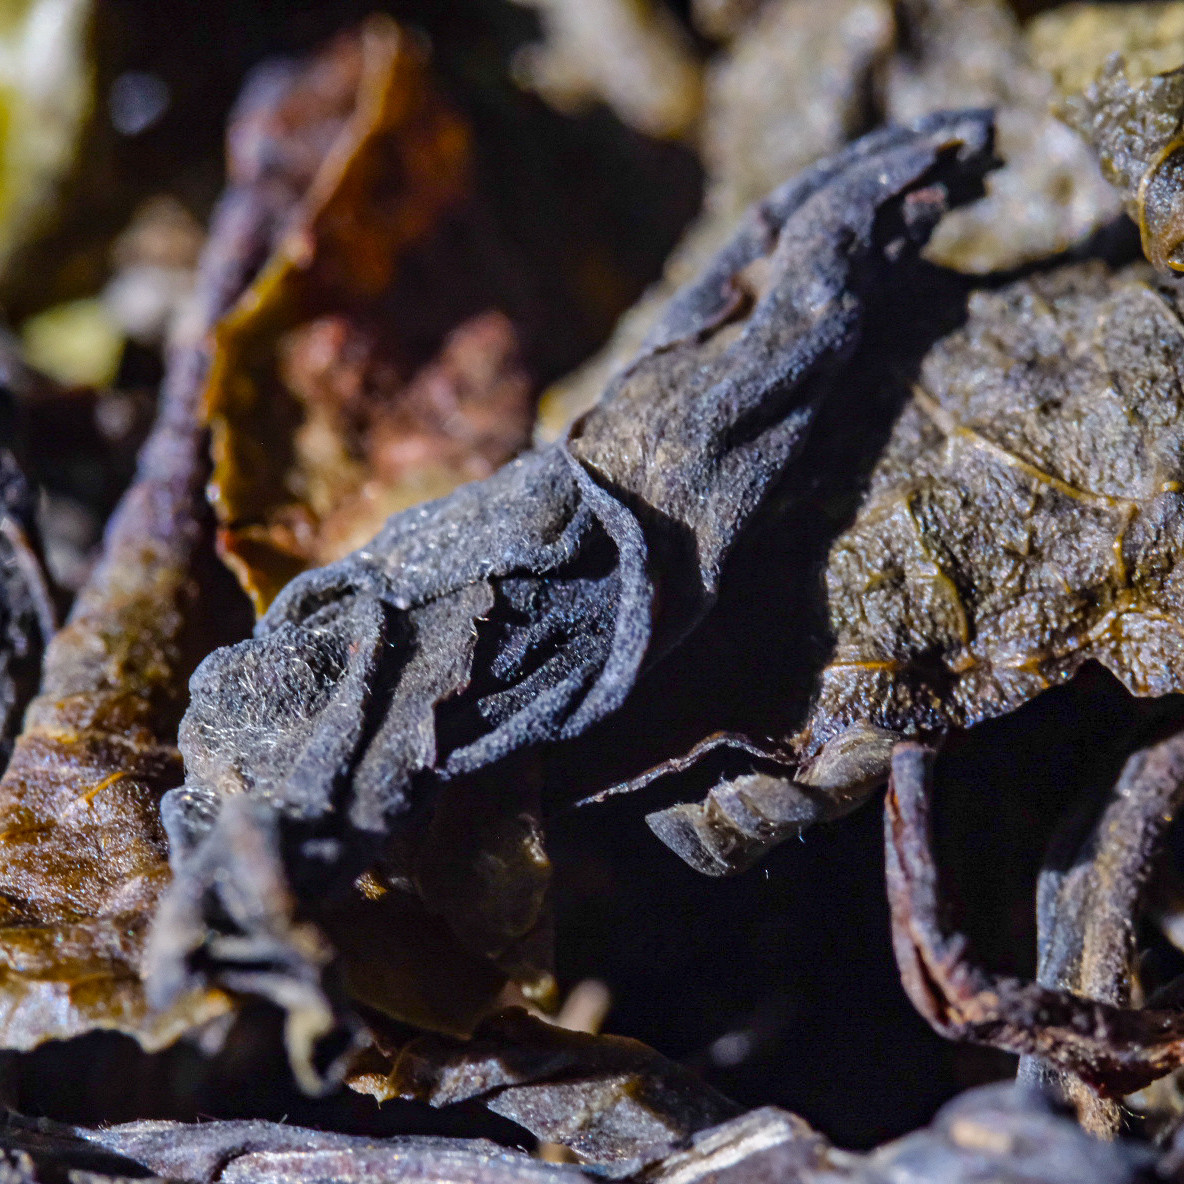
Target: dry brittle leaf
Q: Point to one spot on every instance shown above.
(315, 440)
(83, 855)
(520, 610)
(1024, 518)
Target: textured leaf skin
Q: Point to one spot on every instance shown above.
(1025, 517)
(520, 610)
(83, 855)
(998, 1132)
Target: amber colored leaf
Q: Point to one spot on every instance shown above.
(611, 1100)
(520, 610)
(83, 854)
(319, 432)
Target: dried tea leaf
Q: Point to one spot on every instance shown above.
(802, 78)
(83, 856)
(765, 1144)
(630, 54)
(519, 610)
(26, 606)
(998, 1132)
(1025, 517)
(613, 1101)
(254, 1152)
(1124, 81)
(1112, 1049)
(376, 159)
(1089, 903)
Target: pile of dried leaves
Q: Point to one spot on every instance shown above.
(440, 567)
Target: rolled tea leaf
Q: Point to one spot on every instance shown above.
(520, 610)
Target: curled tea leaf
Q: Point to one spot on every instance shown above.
(1089, 903)
(801, 79)
(1113, 1049)
(1025, 517)
(520, 610)
(83, 855)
